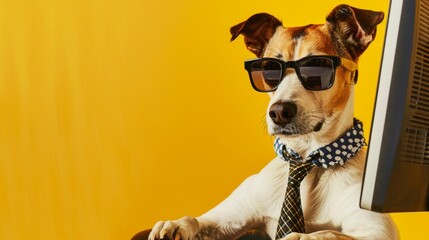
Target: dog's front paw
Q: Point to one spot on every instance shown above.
(182, 229)
(297, 236)
(320, 235)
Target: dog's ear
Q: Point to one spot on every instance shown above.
(257, 31)
(355, 28)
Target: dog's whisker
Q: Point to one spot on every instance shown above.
(334, 118)
(264, 125)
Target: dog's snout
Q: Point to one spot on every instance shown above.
(282, 113)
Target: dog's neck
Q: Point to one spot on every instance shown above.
(334, 126)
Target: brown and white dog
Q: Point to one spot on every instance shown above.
(330, 197)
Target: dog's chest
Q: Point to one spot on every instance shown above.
(324, 194)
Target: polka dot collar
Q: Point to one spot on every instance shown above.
(337, 152)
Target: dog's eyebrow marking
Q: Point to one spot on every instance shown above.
(278, 53)
(300, 32)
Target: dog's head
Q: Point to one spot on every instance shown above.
(301, 103)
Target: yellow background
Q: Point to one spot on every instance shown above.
(116, 114)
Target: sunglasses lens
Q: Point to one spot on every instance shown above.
(317, 73)
(265, 74)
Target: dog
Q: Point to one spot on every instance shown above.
(304, 117)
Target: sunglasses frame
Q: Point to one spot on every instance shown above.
(337, 61)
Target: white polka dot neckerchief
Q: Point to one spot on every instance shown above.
(337, 152)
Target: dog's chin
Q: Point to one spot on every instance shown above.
(291, 130)
(288, 132)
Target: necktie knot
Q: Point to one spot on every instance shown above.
(298, 171)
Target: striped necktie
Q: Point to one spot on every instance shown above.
(291, 217)
(336, 153)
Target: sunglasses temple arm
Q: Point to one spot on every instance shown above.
(349, 65)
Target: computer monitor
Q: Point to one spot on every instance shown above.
(397, 169)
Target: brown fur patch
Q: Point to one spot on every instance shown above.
(298, 42)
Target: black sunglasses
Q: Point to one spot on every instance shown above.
(315, 72)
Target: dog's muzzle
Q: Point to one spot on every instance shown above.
(286, 122)
(282, 113)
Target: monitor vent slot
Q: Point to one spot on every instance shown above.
(415, 140)
(415, 147)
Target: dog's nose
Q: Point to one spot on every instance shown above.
(282, 112)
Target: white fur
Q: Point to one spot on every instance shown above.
(330, 201)
(330, 198)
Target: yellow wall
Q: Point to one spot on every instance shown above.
(115, 114)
